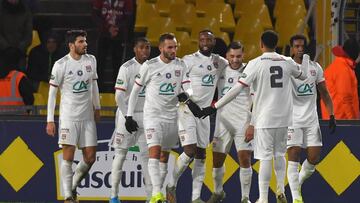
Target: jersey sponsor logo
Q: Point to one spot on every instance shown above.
(80, 86)
(168, 75)
(80, 73)
(225, 90)
(177, 73)
(88, 68)
(119, 82)
(167, 89)
(305, 89)
(208, 80)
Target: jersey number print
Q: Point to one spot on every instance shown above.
(276, 76)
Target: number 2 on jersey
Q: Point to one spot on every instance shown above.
(276, 76)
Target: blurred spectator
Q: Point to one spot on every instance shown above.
(342, 83)
(115, 21)
(42, 58)
(16, 89)
(15, 25)
(33, 5)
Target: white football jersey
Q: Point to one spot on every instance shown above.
(239, 108)
(163, 84)
(270, 77)
(74, 79)
(203, 73)
(125, 82)
(305, 94)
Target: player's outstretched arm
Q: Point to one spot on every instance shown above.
(50, 127)
(304, 67)
(324, 94)
(194, 108)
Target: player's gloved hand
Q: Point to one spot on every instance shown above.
(183, 97)
(332, 124)
(130, 124)
(207, 111)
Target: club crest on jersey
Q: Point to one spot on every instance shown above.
(312, 72)
(168, 75)
(177, 73)
(88, 68)
(216, 64)
(80, 73)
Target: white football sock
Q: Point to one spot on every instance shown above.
(280, 172)
(116, 171)
(307, 169)
(245, 181)
(154, 173)
(181, 164)
(163, 172)
(198, 175)
(218, 175)
(67, 176)
(293, 178)
(264, 179)
(144, 168)
(81, 170)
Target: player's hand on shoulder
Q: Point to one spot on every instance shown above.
(50, 128)
(332, 124)
(249, 133)
(130, 124)
(182, 97)
(207, 111)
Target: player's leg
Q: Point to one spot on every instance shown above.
(164, 158)
(294, 143)
(68, 135)
(198, 173)
(313, 142)
(220, 146)
(264, 150)
(187, 130)
(144, 154)
(280, 163)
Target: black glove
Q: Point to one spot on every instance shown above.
(130, 124)
(332, 124)
(207, 111)
(194, 108)
(183, 97)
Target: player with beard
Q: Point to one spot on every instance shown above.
(305, 131)
(75, 75)
(162, 76)
(204, 69)
(122, 139)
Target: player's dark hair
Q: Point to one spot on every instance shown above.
(297, 37)
(71, 35)
(270, 39)
(235, 45)
(141, 39)
(166, 36)
(206, 31)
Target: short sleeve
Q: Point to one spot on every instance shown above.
(249, 74)
(122, 79)
(57, 75)
(143, 77)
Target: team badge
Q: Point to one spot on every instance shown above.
(119, 138)
(177, 73)
(216, 65)
(88, 68)
(80, 73)
(168, 75)
(312, 72)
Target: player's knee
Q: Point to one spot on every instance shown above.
(313, 159)
(294, 153)
(89, 160)
(200, 153)
(190, 150)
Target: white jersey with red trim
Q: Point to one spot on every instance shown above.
(238, 109)
(270, 75)
(125, 82)
(74, 79)
(305, 94)
(163, 84)
(203, 73)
